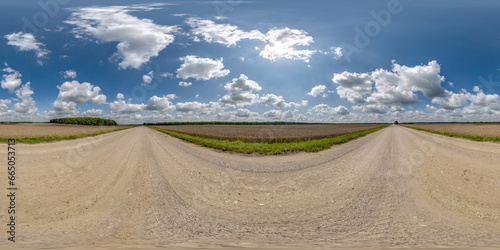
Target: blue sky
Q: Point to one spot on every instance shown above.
(308, 61)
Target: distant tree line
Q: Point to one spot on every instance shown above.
(85, 121)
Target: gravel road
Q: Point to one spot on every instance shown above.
(141, 188)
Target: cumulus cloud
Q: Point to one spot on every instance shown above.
(274, 114)
(236, 115)
(4, 108)
(27, 42)
(147, 78)
(391, 89)
(11, 80)
(202, 108)
(277, 101)
(325, 109)
(77, 92)
(27, 106)
(353, 86)
(372, 108)
(93, 113)
(63, 108)
(318, 90)
(138, 39)
(185, 84)
(423, 78)
(201, 68)
(381, 87)
(451, 101)
(283, 42)
(121, 107)
(72, 93)
(224, 34)
(161, 104)
(69, 74)
(240, 92)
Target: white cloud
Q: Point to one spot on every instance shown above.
(99, 100)
(396, 87)
(336, 52)
(63, 108)
(185, 84)
(119, 96)
(353, 86)
(283, 42)
(424, 78)
(161, 104)
(390, 89)
(240, 92)
(277, 101)
(452, 101)
(4, 108)
(430, 108)
(201, 68)
(27, 106)
(93, 113)
(236, 115)
(203, 108)
(318, 90)
(147, 78)
(167, 74)
(245, 113)
(224, 34)
(138, 39)
(72, 93)
(12, 80)
(325, 109)
(372, 108)
(220, 18)
(69, 74)
(273, 114)
(27, 42)
(121, 107)
(80, 93)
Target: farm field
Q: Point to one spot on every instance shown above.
(22, 130)
(478, 129)
(268, 133)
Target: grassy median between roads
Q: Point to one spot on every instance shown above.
(269, 148)
(470, 137)
(33, 140)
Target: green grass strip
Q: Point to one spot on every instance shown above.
(470, 137)
(269, 148)
(33, 140)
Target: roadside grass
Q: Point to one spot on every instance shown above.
(269, 148)
(33, 140)
(469, 137)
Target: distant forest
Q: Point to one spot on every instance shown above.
(85, 121)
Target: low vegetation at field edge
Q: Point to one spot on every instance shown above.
(267, 132)
(270, 148)
(85, 121)
(39, 139)
(470, 137)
